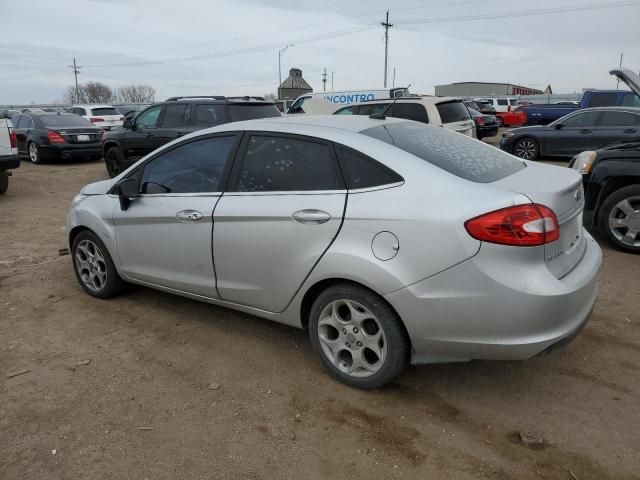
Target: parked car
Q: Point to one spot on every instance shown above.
(582, 130)
(543, 114)
(611, 178)
(44, 136)
(448, 112)
(485, 107)
(391, 241)
(130, 110)
(174, 118)
(103, 116)
(486, 125)
(345, 97)
(8, 152)
(501, 104)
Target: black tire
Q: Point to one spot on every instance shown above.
(114, 160)
(395, 338)
(499, 121)
(33, 153)
(527, 148)
(610, 209)
(4, 182)
(113, 284)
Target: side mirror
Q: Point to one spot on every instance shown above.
(127, 122)
(127, 189)
(558, 126)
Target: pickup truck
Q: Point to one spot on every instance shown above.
(543, 114)
(8, 153)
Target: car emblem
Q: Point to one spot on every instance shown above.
(577, 195)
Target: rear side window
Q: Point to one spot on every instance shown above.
(457, 154)
(630, 100)
(249, 112)
(619, 119)
(603, 99)
(194, 167)
(347, 110)
(372, 108)
(209, 114)
(174, 115)
(410, 111)
(283, 164)
(25, 122)
(65, 121)
(364, 172)
(452, 112)
(502, 101)
(105, 111)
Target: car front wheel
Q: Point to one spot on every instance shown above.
(94, 267)
(619, 218)
(526, 148)
(358, 336)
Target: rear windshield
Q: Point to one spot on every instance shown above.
(457, 154)
(105, 111)
(64, 121)
(452, 112)
(249, 112)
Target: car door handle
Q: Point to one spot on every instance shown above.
(630, 130)
(311, 216)
(585, 130)
(189, 216)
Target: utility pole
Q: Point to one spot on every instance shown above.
(324, 80)
(393, 82)
(386, 26)
(332, 81)
(76, 70)
(618, 84)
(280, 53)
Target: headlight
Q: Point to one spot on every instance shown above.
(508, 134)
(77, 199)
(584, 161)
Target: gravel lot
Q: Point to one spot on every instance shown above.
(152, 386)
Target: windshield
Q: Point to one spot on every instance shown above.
(64, 121)
(457, 154)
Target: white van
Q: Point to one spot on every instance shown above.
(346, 97)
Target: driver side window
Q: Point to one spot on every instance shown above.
(149, 118)
(194, 167)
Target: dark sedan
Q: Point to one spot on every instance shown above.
(46, 136)
(486, 125)
(586, 129)
(611, 178)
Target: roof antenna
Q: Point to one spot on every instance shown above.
(383, 115)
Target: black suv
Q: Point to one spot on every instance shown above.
(177, 116)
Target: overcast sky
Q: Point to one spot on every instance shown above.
(231, 47)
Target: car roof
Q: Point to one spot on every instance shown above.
(613, 109)
(416, 99)
(92, 105)
(219, 99)
(48, 114)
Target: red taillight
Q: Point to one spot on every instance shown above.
(12, 138)
(55, 137)
(479, 121)
(96, 119)
(521, 225)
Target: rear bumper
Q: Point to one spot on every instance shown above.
(487, 131)
(480, 310)
(9, 162)
(69, 151)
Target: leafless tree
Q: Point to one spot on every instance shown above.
(270, 96)
(91, 92)
(136, 94)
(73, 96)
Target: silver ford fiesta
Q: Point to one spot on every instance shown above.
(390, 240)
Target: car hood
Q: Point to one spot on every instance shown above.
(627, 76)
(97, 188)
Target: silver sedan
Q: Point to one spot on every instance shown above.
(390, 240)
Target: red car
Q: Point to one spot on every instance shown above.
(515, 119)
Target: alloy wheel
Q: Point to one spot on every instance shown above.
(624, 221)
(33, 152)
(91, 265)
(526, 149)
(352, 338)
(113, 166)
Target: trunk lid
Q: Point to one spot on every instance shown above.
(83, 135)
(630, 78)
(561, 190)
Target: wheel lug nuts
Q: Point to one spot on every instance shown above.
(359, 344)
(344, 330)
(355, 329)
(348, 345)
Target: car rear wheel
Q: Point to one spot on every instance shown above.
(619, 218)
(94, 267)
(34, 155)
(113, 160)
(526, 148)
(358, 336)
(4, 182)
(499, 121)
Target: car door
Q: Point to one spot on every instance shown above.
(172, 123)
(617, 126)
(141, 138)
(571, 134)
(283, 209)
(164, 237)
(23, 130)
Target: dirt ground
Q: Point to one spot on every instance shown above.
(142, 408)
